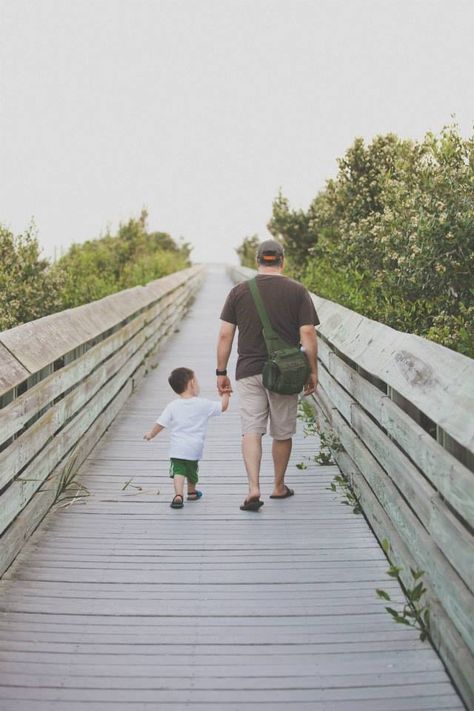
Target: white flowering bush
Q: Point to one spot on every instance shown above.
(392, 235)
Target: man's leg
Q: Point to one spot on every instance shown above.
(253, 405)
(252, 455)
(283, 413)
(281, 451)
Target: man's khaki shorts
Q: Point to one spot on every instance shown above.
(259, 406)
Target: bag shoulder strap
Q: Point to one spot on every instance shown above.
(272, 339)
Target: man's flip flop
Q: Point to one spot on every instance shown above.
(195, 495)
(251, 504)
(288, 492)
(177, 502)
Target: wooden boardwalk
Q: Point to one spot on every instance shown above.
(123, 603)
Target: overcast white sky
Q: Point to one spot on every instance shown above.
(201, 110)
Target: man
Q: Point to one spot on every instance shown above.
(292, 315)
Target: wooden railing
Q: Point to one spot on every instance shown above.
(402, 408)
(63, 378)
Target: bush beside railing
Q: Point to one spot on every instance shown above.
(402, 408)
(63, 379)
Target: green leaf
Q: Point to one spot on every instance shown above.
(385, 545)
(402, 621)
(382, 594)
(417, 592)
(301, 465)
(393, 612)
(393, 571)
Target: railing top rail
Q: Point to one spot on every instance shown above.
(30, 347)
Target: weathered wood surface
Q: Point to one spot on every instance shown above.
(453, 480)
(121, 602)
(377, 389)
(85, 359)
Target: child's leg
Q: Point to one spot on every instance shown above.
(192, 477)
(178, 481)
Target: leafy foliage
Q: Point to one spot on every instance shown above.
(343, 485)
(415, 613)
(30, 287)
(28, 290)
(133, 256)
(329, 442)
(392, 235)
(247, 251)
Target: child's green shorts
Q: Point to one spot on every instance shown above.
(185, 467)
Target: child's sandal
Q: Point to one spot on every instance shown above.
(194, 495)
(177, 502)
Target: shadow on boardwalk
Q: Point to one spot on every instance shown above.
(121, 602)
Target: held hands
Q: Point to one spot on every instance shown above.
(224, 386)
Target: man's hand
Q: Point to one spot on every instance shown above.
(223, 385)
(311, 385)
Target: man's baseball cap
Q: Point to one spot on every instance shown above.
(269, 252)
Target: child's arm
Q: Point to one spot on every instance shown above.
(153, 432)
(225, 398)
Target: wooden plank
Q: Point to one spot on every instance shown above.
(242, 692)
(453, 649)
(405, 704)
(453, 480)
(451, 644)
(12, 373)
(451, 590)
(29, 518)
(160, 316)
(41, 342)
(455, 541)
(24, 448)
(428, 375)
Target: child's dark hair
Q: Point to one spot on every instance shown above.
(179, 379)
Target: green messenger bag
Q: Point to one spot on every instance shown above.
(287, 370)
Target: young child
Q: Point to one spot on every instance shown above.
(186, 419)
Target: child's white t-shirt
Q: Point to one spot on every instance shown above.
(186, 419)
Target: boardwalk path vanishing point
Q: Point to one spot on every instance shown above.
(123, 603)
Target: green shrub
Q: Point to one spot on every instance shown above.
(392, 235)
(28, 289)
(133, 256)
(247, 251)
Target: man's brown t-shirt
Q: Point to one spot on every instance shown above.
(288, 305)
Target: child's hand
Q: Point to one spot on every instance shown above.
(225, 398)
(153, 432)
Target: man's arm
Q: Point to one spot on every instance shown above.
(224, 347)
(309, 343)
